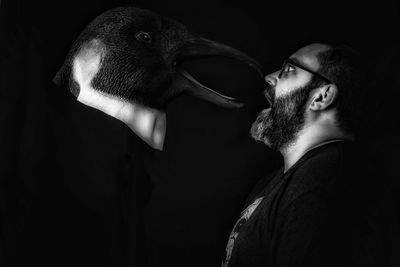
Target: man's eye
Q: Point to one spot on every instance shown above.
(289, 68)
(286, 68)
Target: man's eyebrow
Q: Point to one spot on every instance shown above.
(297, 63)
(294, 60)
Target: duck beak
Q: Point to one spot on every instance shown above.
(203, 48)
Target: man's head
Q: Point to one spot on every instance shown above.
(318, 81)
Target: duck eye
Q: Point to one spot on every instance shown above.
(143, 37)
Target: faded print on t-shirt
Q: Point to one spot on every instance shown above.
(244, 217)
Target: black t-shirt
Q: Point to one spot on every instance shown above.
(329, 209)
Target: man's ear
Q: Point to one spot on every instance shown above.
(323, 97)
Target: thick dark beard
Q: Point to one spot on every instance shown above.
(278, 127)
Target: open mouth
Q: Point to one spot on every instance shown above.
(198, 49)
(207, 93)
(222, 81)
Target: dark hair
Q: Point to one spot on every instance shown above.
(345, 67)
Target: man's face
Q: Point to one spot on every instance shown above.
(287, 91)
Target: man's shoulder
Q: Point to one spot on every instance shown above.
(325, 164)
(320, 170)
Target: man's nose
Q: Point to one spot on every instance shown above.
(271, 79)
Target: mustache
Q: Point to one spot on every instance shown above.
(269, 93)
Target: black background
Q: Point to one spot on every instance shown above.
(78, 188)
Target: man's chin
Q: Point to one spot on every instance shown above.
(264, 113)
(259, 127)
(260, 136)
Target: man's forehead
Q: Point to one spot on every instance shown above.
(307, 55)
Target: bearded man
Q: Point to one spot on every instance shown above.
(327, 206)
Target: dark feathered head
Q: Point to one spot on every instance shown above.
(129, 56)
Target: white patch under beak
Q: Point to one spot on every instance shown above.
(85, 67)
(149, 124)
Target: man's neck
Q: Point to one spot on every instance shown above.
(309, 138)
